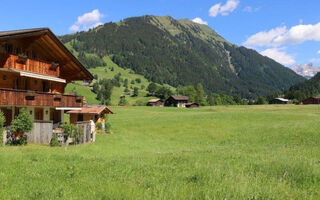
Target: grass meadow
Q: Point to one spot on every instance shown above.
(235, 152)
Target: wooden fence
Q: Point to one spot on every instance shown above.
(86, 130)
(43, 130)
(41, 133)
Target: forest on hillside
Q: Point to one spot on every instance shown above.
(184, 58)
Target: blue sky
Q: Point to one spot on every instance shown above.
(286, 30)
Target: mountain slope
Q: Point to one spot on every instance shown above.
(305, 89)
(180, 52)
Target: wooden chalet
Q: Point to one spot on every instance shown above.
(35, 68)
(279, 101)
(312, 100)
(177, 101)
(155, 102)
(96, 113)
(192, 105)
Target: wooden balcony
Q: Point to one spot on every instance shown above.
(10, 97)
(37, 66)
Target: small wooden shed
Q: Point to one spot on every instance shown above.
(279, 101)
(95, 113)
(155, 102)
(177, 101)
(192, 105)
(312, 100)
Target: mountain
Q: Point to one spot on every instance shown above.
(181, 52)
(306, 70)
(305, 89)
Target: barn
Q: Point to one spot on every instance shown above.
(96, 113)
(312, 100)
(155, 102)
(177, 101)
(192, 105)
(279, 101)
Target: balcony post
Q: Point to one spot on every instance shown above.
(62, 116)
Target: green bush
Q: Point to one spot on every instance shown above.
(54, 141)
(69, 130)
(140, 102)
(2, 121)
(21, 125)
(99, 126)
(107, 127)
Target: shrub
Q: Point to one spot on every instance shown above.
(21, 125)
(138, 80)
(2, 121)
(69, 130)
(107, 127)
(135, 91)
(54, 141)
(140, 102)
(99, 126)
(123, 102)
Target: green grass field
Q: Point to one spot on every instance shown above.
(236, 152)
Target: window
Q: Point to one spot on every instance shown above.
(34, 55)
(17, 51)
(80, 118)
(8, 48)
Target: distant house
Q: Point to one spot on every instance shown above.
(279, 101)
(96, 113)
(192, 105)
(155, 102)
(312, 100)
(177, 101)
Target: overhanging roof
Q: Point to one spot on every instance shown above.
(34, 75)
(91, 109)
(46, 41)
(43, 77)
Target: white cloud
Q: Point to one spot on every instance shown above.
(299, 34)
(250, 9)
(265, 38)
(318, 52)
(225, 9)
(279, 55)
(199, 21)
(88, 20)
(282, 36)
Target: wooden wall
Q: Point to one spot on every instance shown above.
(36, 66)
(86, 117)
(7, 80)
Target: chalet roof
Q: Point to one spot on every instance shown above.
(191, 103)
(91, 109)
(46, 41)
(153, 100)
(180, 98)
(282, 99)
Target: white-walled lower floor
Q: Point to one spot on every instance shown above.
(36, 113)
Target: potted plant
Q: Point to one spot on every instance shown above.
(54, 65)
(22, 57)
(20, 126)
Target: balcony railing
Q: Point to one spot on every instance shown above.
(31, 65)
(10, 97)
